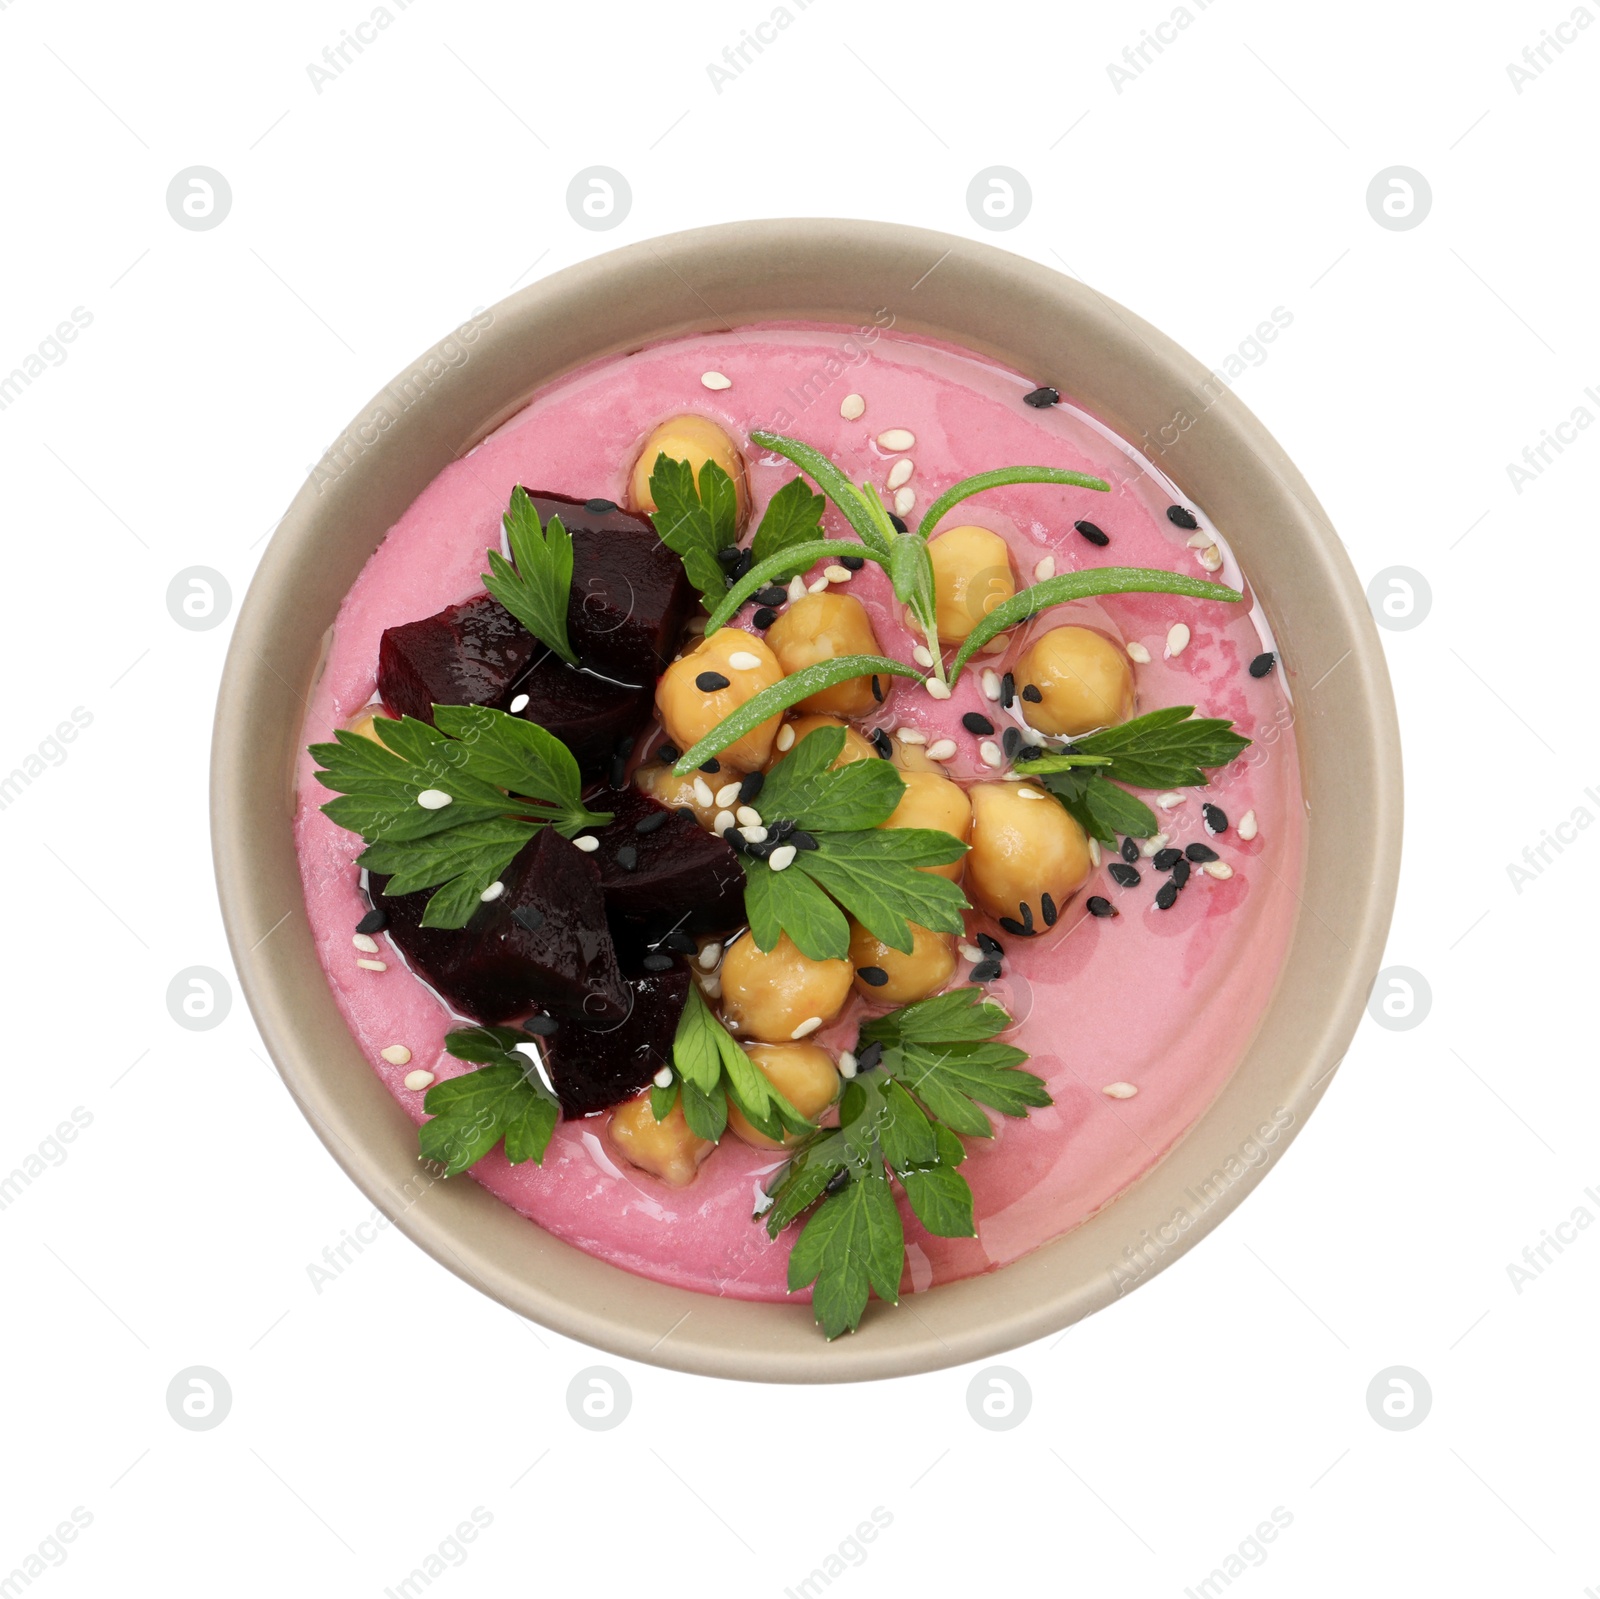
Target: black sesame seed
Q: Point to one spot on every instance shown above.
(1182, 516)
(683, 943)
(840, 1179)
(1165, 859)
(1200, 853)
(1180, 872)
(667, 752)
(684, 810)
(599, 507)
(373, 922)
(529, 917)
(735, 840)
(1041, 399)
(648, 824)
(657, 963)
(781, 828)
(880, 742)
(1047, 907)
(1011, 743)
(1094, 534)
(541, 1026)
(1166, 896)
(1008, 690)
(759, 851)
(877, 688)
(869, 1057)
(728, 555)
(764, 618)
(1015, 928)
(899, 524)
(1263, 663)
(990, 945)
(1099, 905)
(1215, 818)
(1130, 851)
(800, 839)
(875, 975)
(1122, 873)
(750, 785)
(977, 722)
(741, 567)
(1032, 695)
(1027, 915)
(985, 971)
(852, 563)
(627, 857)
(1031, 753)
(710, 682)
(773, 594)
(713, 765)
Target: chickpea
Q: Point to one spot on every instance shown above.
(929, 966)
(914, 758)
(971, 575)
(689, 712)
(1086, 682)
(856, 748)
(695, 439)
(366, 726)
(666, 788)
(665, 1148)
(766, 996)
(803, 1073)
(932, 800)
(822, 627)
(1022, 848)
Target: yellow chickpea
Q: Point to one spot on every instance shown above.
(1024, 845)
(769, 996)
(856, 748)
(666, 788)
(804, 1074)
(971, 575)
(929, 966)
(1084, 681)
(665, 1148)
(931, 800)
(914, 758)
(822, 627)
(695, 439)
(689, 712)
(366, 726)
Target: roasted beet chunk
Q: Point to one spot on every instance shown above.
(630, 596)
(681, 876)
(556, 956)
(593, 1067)
(590, 714)
(469, 654)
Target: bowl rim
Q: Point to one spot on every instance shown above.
(716, 277)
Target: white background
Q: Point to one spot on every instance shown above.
(1228, 178)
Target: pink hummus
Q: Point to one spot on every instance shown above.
(1165, 1001)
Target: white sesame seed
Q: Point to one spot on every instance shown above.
(702, 793)
(818, 586)
(991, 683)
(492, 892)
(1033, 793)
(715, 380)
(1094, 847)
(372, 966)
(748, 816)
(922, 655)
(1012, 777)
(1220, 870)
(851, 406)
(785, 738)
(753, 833)
(396, 1055)
(433, 799)
(847, 1064)
(1032, 735)
(910, 735)
(663, 1078)
(904, 499)
(1211, 558)
(1156, 841)
(709, 956)
(941, 749)
(998, 645)
(1119, 1090)
(1177, 639)
(418, 1080)
(744, 661)
(587, 842)
(1247, 826)
(837, 574)
(1138, 653)
(807, 1027)
(990, 751)
(1199, 539)
(797, 588)
(900, 472)
(721, 822)
(936, 689)
(1045, 569)
(1171, 800)
(782, 857)
(896, 439)
(970, 953)
(520, 703)
(366, 943)
(727, 794)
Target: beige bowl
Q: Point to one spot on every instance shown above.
(1031, 319)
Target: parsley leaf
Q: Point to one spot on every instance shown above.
(695, 521)
(505, 778)
(535, 583)
(1100, 808)
(503, 1100)
(793, 517)
(844, 494)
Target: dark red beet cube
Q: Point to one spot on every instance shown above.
(630, 596)
(468, 654)
(672, 875)
(594, 1067)
(590, 714)
(542, 945)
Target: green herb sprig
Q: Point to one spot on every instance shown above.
(504, 1100)
(535, 584)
